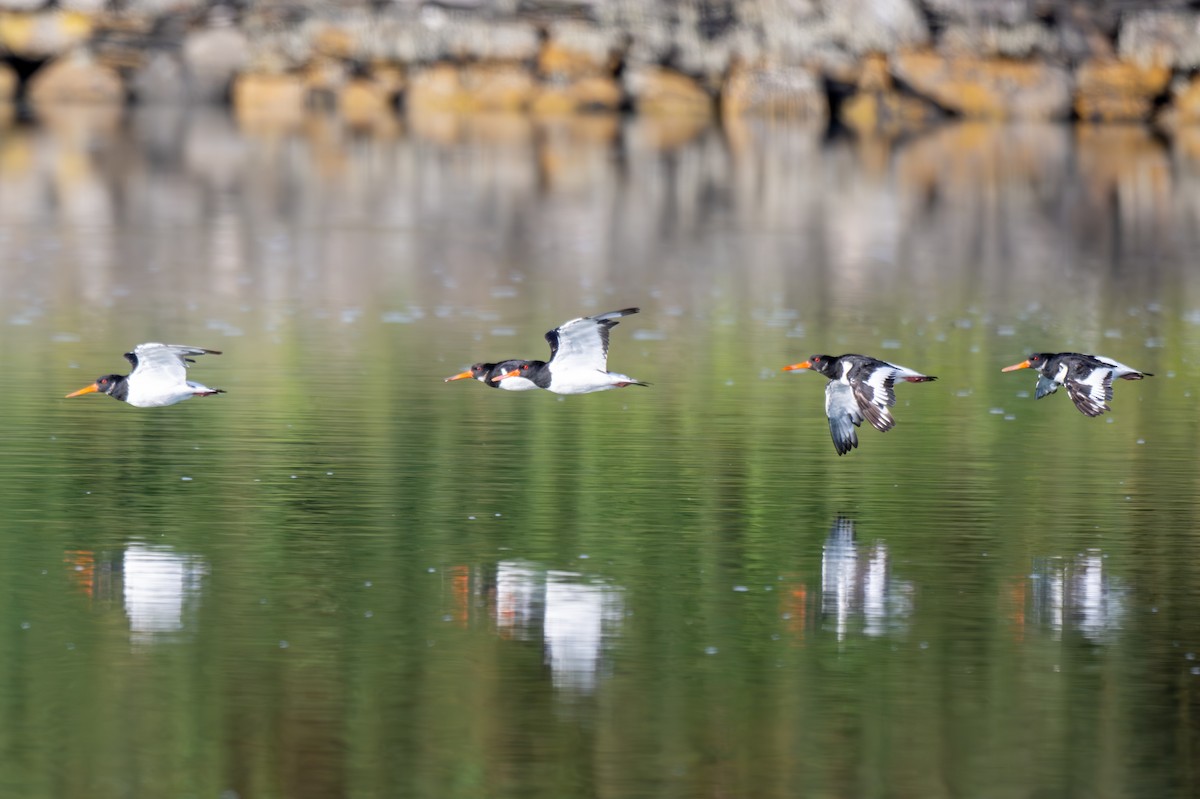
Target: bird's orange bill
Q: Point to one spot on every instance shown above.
(513, 373)
(459, 376)
(1016, 366)
(82, 391)
(795, 366)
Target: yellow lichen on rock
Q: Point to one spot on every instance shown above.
(1118, 91)
(791, 92)
(76, 79)
(664, 92)
(987, 88)
(591, 94)
(259, 97)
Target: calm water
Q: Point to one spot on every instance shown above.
(345, 577)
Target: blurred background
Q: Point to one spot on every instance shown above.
(346, 577)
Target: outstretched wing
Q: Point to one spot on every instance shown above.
(166, 362)
(844, 414)
(583, 343)
(874, 392)
(1091, 391)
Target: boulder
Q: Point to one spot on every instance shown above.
(586, 94)
(44, 35)
(363, 100)
(1161, 38)
(1118, 91)
(785, 92)
(879, 107)
(865, 26)
(486, 86)
(76, 79)
(8, 84)
(987, 88)
(258, 96)
(574, 50)
(664, 92)
(211, 58)
(159, 79)
(1184, 106)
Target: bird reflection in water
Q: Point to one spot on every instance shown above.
(857, 582)
(1074, 595)
(573, 616)
(158, 588)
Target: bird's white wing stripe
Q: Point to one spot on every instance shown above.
(580, 346)
(163, 363)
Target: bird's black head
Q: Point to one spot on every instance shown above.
(107, 384)
(825, 364)
(115, 386)
(1037, 361)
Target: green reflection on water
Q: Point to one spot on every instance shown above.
(347, 578)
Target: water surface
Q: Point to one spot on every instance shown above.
(345, 577)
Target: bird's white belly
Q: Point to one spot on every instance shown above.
(158, 395)
(517, 384)
(583, 382)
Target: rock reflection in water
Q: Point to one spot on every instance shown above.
(855, 583)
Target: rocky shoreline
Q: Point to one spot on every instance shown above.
(875, 66)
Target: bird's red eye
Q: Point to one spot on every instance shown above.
(816, 358)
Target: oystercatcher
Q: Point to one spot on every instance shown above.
(578, 358)
(159, 377)
(487, 373)
(860, 387)
(1088, 378)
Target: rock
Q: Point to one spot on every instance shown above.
(160, 79)
(474, 87)
(878, 107)
(987, 88)
(76, 79)
(434, 88)
(8, 84)
(1115, 91)
(573, 50)
(334, 42)
(584, 95)
(982, 13)
(864, 26)
(45, 35)
(325, 76)
(497, 86)
(1184, 107)
(1161, 38)
(1031, 39)
(362, 101)
(23, 5)
(664, 92)
(211, 58)
(258, 96)
(472, 38)
(792, 92)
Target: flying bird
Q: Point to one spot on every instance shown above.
(578, 358)
(487, 373)
(1088, 378)
(860, 387)
(159, 377)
